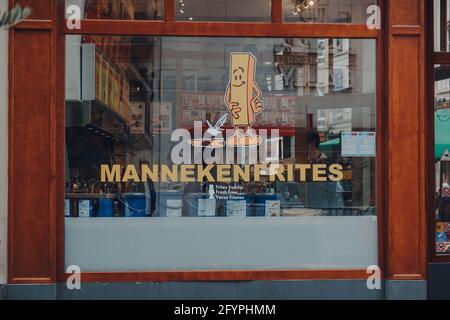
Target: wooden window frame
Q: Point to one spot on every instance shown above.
(275, 28)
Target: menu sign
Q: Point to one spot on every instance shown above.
(358, 144)
(136, 115)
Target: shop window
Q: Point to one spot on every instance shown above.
(224, 10)
(120, 9)
(326, 11)
(188, 153)
(442, 158)
(441, 25)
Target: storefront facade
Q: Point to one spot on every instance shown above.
(190, 149)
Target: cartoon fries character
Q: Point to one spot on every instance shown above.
(243, 99)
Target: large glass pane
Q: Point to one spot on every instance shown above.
(441, 30)
(220, 153)
(326, 11)
(442, 157)
(224, 10)
(120, 9)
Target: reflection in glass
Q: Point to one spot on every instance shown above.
(224, 10)
(441, 29)
(326, 11)
(120, 9)
(127, 96)
(442, 157)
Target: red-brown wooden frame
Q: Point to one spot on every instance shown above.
(49, 26)
(170, 27)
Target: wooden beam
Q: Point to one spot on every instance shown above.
(225, 275)
(277, 11)
(406, 152)
(225, 29)
(169, 10)
(32, 152)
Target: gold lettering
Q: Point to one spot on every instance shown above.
(279, 170)
(238, 173)
(130, 174)
(187, 173)
(302, 168)
(337, 173)
(205, 172)
(319, 170)
(290, 172)
(110, 176)
(258, 168)
(147, 173)
(169, 175)
(223, 173)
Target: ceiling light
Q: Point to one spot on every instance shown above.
(182, 5)
(302, 5)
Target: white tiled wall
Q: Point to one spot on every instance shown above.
(3, 143)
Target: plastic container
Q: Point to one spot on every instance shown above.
(68, 208)
(267, 204)
(105, 206)
(86, 208)
(241, 207)
(199, 205)
(134, 205)
(169, 203)
(79, 205)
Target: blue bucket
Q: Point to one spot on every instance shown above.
(265, 202)
(105, 208)
(135, 205)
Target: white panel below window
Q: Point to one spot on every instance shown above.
(229, 243)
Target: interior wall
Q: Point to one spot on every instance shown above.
(3, 144)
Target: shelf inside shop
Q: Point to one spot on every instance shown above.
(98, 118)
(102, 107)
(100, 131)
